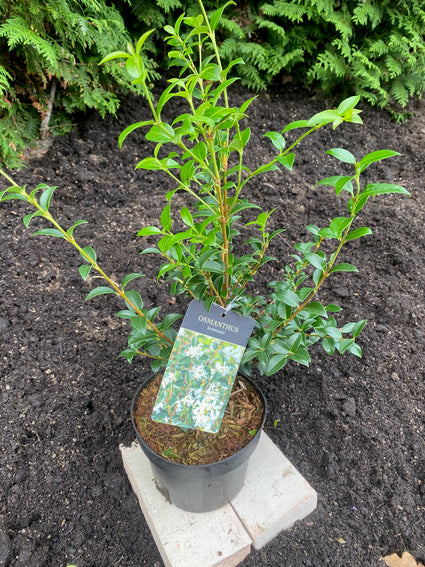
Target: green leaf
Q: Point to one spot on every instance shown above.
(194, 22)
(46, 197)
(375, 156)
(130, 277)
(332, 308)
(296, 124)
(328, 346)
(128, 354)
(342, 155)
(131, 128)
(383, 188)
(150, 163)
(169, 319)
(178, 23)
(169, 162)
(149, 230)
(288, 298)
(301, 356)
(102, 290)
(70, 231)
(142, 40)
(343, 267)
(324, 117)
(210, 72)
(355, 349)
(276, 363)
(265, 168)
(9, 196)
(354, 118)
(247, 103)
(315, 308)
(215, 18)
(170, 30)
(240, 140)
(224, 73)
(348, 104)
(150, 251)
(277, 139)
(338, 225)
(359, 232)
(245, 136)
(200, 151)
(212, 266)
(313, 229)
(279, 347)
(115, 55)
(27, 219)
(164, 269)
(135, 68)
(347, 328)
(125, 314)
(166, 218)
(327, 233)
(360, 202)
(138, 324)
(287, 160)
(344, 184)
(317, 276)
(358, 328)
(166, 95)
(90, 253)
(186, 216)
(344, 344)
(160, 133)
(315, 260)
(330, 180)
(84, 271)
(135, 298)
(186, 172)
(49, 232)
(333, 332)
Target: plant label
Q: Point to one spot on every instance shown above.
(202, 367)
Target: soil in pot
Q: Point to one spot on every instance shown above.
(242, 419)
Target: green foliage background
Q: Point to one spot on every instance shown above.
(374, 48)
(56, 43)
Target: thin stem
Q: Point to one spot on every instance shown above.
(211, 34)
(222, 202)
(120, 292)
(2, 172)
(275, 160)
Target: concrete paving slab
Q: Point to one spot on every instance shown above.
(185, 539)
(273, 498)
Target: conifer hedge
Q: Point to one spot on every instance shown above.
(49, 55)
(49, 50)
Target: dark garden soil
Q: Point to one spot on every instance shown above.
(355, 428)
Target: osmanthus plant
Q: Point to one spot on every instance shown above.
(210, 249)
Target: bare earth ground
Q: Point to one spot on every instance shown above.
(355, 428)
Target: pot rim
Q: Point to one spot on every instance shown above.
(183, 466)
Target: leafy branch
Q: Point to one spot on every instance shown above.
(205, 253)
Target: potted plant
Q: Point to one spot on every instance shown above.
(211, 249)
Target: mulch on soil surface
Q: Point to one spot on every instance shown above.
(355, 428)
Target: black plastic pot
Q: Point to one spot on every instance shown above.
(199, 488)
